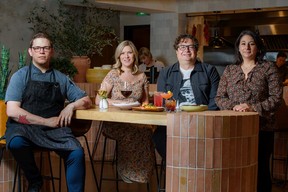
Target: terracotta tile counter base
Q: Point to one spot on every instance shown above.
(212, 151)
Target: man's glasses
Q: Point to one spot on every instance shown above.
(184, 47)
(37, 49)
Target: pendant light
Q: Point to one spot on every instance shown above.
(216, 41)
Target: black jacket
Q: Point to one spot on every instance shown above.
(204, 80)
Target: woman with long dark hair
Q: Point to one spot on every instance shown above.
(253, 84)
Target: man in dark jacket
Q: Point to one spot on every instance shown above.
(190, 81)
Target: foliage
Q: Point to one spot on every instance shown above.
(22, 59)
(75, 30)
(4, 71)
(102, 94)
(64, 65)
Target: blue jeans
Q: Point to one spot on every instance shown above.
(74, 161)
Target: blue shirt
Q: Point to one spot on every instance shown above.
(20, 79)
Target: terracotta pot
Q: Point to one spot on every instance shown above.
(3, 118)
(82, 63)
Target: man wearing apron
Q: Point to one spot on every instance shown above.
(35, 101)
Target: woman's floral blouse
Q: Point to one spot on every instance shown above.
(113, 78)
(262, 90)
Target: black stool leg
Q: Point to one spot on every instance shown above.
(17, 173)
(162, 172)
(102, 163)
(117, 176)
(92, 164)
(51, 172)
(148, 187)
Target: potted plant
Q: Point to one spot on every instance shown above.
(5, 72)
(80, 31)
(64, 65)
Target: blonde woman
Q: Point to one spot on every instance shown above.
(135, 149)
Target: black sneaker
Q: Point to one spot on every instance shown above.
(35, 186)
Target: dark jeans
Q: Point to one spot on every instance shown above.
(74, 161)
(265, 148)
(159, 139)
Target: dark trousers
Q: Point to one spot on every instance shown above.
(74, 161)
(159, 138)
(265, 148)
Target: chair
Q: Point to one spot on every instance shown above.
(283, 158)
(79, 129)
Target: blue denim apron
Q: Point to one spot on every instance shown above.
(46, 100)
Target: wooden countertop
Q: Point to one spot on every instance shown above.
(115, 114)
(126, 116)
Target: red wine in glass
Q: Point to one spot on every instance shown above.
(126, 93)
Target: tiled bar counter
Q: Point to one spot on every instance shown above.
(212, 152)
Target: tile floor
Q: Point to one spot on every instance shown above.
(110, 186)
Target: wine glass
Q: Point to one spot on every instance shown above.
(126, 91)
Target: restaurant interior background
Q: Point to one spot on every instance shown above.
(164, 22)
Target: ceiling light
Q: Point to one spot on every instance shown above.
(142, 14)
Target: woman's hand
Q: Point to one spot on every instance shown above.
(243, 107)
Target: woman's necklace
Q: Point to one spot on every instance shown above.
(247, 67)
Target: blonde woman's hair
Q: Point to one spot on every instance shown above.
(145, 52)
(118, 52)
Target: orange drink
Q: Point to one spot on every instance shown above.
(167, 95)
(170, 104)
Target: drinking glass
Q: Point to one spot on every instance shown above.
(158, 100)
(126, 91)
(170, 105)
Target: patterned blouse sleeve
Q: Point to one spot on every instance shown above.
(109, 79)
(275, 90)
(222, 99)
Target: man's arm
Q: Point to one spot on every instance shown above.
(67, 113)
(20, 115)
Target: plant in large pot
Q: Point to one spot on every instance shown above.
(78, 31)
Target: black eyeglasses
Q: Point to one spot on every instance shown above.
(184, 47)
(37, 49)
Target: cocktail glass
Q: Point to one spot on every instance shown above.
(167, 96)
(170, 105)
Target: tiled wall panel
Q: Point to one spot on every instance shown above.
(212, 152)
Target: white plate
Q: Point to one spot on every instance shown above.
(126, 105)
(194, 108)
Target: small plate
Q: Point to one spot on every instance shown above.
(157, 109)
(193, 108)
(126, 106)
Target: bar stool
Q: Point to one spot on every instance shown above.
(162, 174)
(283, 159)
(114, 161)
(79, 128)
(50, 177)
